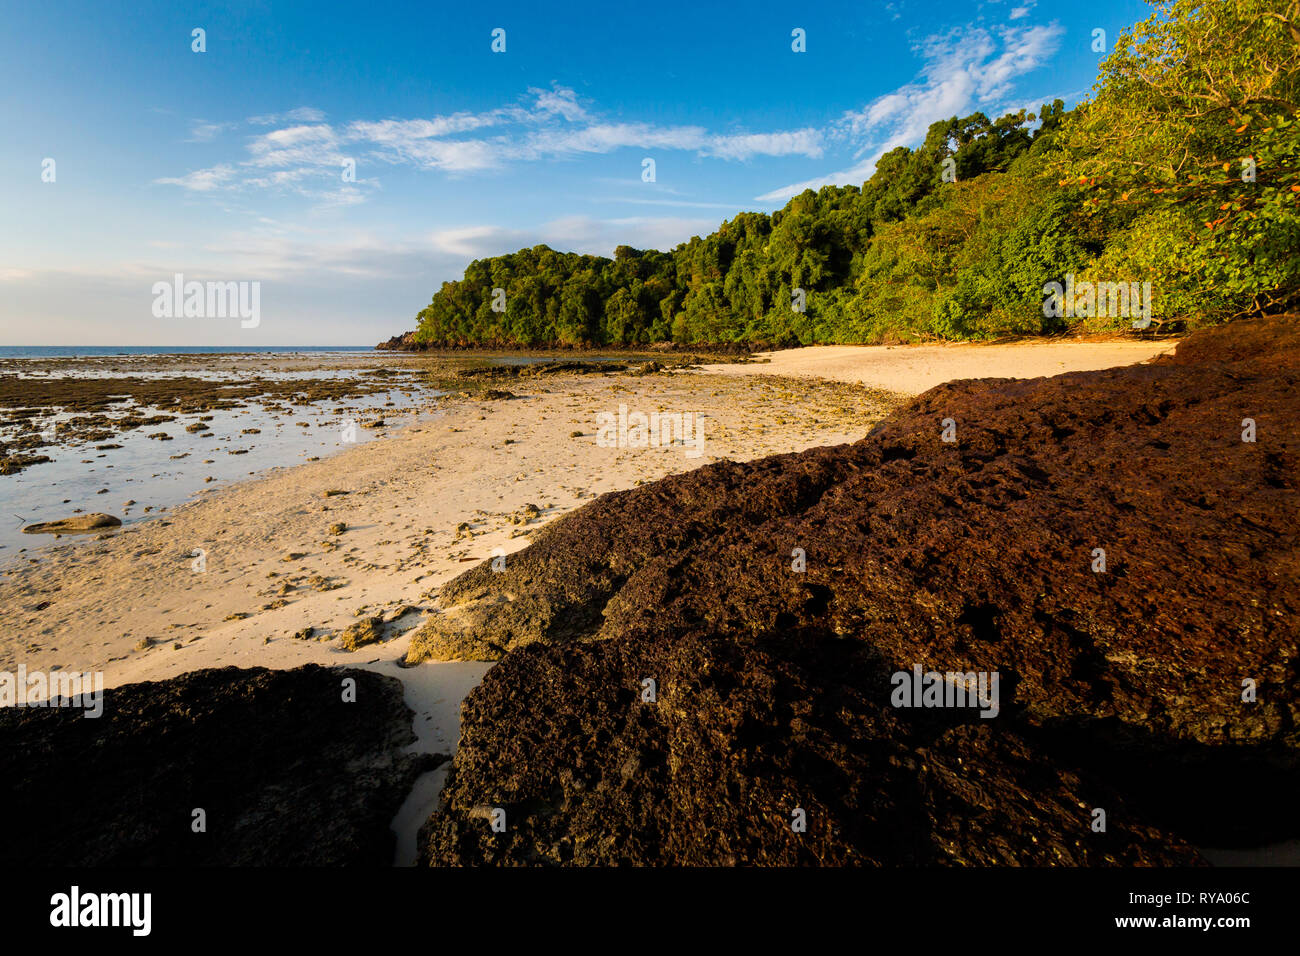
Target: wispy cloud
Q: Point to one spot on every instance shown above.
(202, 180)
(303, 114)
(331, 164)
(202, 131)
(685, 203)
(584, 234)
(963, 70)
(547, 124)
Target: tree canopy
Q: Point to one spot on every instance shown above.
(1182, 171)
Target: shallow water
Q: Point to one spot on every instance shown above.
(162, 474)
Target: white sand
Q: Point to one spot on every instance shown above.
(912, 369)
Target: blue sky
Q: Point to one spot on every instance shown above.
(229, 164)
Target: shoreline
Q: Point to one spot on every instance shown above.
(471, 462)
(421, 504)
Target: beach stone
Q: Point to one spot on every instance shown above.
(79, 524)
(13, 464)
(369, 631)
(401, 612)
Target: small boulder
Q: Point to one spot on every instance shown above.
(369, 631)
(79, 524)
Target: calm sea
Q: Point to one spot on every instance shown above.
(76, 351)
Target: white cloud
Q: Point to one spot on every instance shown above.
(547, 124)
(201, 180)
(963, 70)
(303, 114)
(803, 142)
(563, 102)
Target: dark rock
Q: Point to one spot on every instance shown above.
(402, 343)
(968, 556)
(287, 772)
(740, 737)
(12, 464)
(538, 370)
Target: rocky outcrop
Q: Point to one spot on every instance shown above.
(742, 740)
(402, 343)
(1106, 542)
(286, 772)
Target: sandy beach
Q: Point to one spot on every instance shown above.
(454, 481)
(441, 491)
(232, 577)
(912, 369)
(448, 486)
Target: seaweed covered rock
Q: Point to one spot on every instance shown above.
(1119, 546)
(779, 751)
(1106, 537)
(286, 772)
(367, 631)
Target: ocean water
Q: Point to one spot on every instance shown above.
(79, 351)
(160, 475)
(144, 470)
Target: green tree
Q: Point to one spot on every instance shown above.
(1191, 152)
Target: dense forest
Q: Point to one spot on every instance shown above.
(1182, 170)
